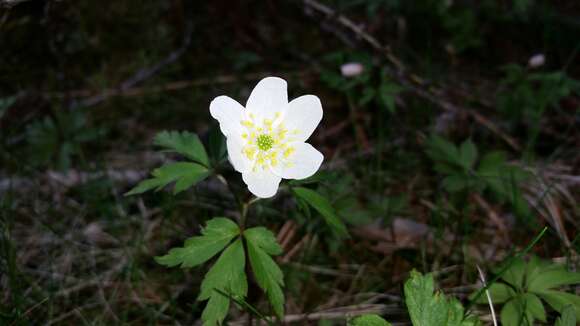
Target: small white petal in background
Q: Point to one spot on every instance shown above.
(351, 69)
(537, 60)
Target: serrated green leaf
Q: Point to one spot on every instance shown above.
(559, 300)
(429, 308)
(197, 250)
(267, 273)
(322, 206)
(227, 275)
(443, 151)
(551, 277)
(424, 307)
(215, 310)
(567, 318)
(264, 239)
(368, 320)
(184, 174)
(440, 149)
(455, 312)
(184, 143)
(468, 153)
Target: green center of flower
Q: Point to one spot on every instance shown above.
(264, 142)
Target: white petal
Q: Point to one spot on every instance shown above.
(262, 183)
(302, 116)
(268, 97)
(301, 164)
(237, 158)
(229, 113)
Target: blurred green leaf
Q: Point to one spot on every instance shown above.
(387, 94)
(184, 174)
(516, 273)
(523, 309)
(511, 315)
(368, 95)
(368, 320)
(559, 300)
(322, 206)
(317, 177)
(499, 293)
(445, 154)
(217, 145)
(468, 153)
(184, 143)
(567, 318)
(530, 282)
(552, 277)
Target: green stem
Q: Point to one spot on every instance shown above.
(243, 207)
(506, 267)
(244, 212)
(227, 184)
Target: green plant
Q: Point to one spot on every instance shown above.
(256, 142)
(526, 96)
(372, 86)
(427, 307)
(464, 172)
(58, 139)
(368, 320)
(526, 285)
(568, 317)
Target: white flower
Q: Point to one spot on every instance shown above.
(266, 139)
(537, 61)
(351, 69)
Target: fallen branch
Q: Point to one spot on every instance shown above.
(413, 82)
(141, 75)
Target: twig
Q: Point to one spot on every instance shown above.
(142, 74)
(482, 277)
(171, 86)
(339, 313)
(411, 81)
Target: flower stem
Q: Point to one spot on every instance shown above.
(244, 211)
(243, 207)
